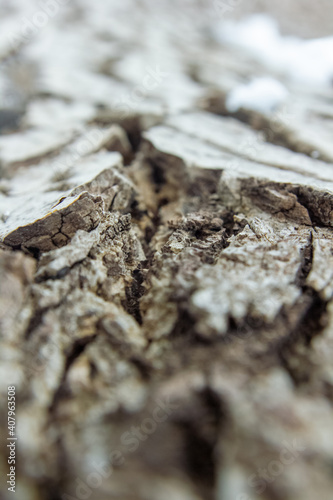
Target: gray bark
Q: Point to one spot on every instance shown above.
(166, 272)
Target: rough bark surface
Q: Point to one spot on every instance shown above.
(166, 296)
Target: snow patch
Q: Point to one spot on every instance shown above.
(261, 94)
(305, 61)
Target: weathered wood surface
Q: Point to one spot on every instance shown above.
(161, 260)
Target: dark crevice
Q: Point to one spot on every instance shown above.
(315, 319)
(144, 366)
(200, 460)
(134, 294)
(75, 351)
(112, 202)
(33, 252)
(185, 325)
(306, 264)
(34, 322)
(293, 350)
(201, 431)
(318, 204)
(131, 125)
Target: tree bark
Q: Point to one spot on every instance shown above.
(166, 269)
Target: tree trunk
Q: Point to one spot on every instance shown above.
(166, 265)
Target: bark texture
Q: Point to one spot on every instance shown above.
(166, 267)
